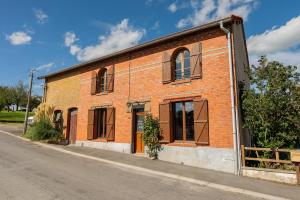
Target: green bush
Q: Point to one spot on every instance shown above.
(151, 136)
(43, 130)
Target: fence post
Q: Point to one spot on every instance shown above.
(243, 155)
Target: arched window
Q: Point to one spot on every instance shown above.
(102, 81)
(182, 65)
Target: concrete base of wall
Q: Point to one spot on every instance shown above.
(280, 176)
(220, 159)
(111, 146)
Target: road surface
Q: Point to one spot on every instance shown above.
(28, 171)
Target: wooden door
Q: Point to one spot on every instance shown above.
(139, 126)
(73, 126)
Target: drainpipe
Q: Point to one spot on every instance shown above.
(235, 129)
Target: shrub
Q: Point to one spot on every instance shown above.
(43, 130)
(151, 136)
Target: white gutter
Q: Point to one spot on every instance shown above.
(235, 129)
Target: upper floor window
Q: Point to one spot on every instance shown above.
(182, 65)
(102, 81)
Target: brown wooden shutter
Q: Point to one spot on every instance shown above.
(90, 126)
(110, 78)
(196, 61)
(165, 113)
(201, 122)
(93, 83)
(110, 124)
(166, 68)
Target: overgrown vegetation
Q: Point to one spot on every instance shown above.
(43, 127)
(271, 108)
(151, 136)
(272, 105)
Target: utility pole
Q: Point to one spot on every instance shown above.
(28, 101)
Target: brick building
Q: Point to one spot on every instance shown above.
(190, 80)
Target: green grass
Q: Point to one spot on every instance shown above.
(13, 116)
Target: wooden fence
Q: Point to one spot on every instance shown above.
(277, 152)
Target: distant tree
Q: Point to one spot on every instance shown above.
(2, 103)
(19, 94)
(35, 102)
(6, 96)
(271, 107)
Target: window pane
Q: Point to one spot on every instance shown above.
(103, 81)
(100, 124)
(178, 121)
(187, 66)
(178, 71)
(189, 120)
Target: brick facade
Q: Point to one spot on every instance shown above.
(138, 78)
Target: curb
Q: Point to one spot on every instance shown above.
(158, 173)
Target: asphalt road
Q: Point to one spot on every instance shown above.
(28, 171)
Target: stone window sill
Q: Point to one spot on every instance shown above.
(177, 82)
(101, 93)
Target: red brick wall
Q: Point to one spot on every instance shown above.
(140, 78)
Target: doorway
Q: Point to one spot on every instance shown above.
(138, 128)
(72, 125)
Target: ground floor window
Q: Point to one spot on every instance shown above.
(183, 121)
(100, 123)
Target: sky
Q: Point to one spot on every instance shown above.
(49, 35)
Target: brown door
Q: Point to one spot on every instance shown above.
(139, 126)
(73, 126)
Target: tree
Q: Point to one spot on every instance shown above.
(2, 103)
(19, 94)
(271, 107)
(6, 96)
(35, 102)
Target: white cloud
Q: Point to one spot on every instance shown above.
(172, 7)
(40, 16)
(276, 39)
(19, 38)
(214, 9)
(279, 43)
(121, 36)
(46, 67)
(70, 38)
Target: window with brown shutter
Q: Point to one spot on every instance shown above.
(110, 78)
(166, 68)
(90, 125)
(110, 124)
(165, 110)
(196, 61)
(93, 82)
(201, 122)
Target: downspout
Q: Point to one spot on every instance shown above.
(235, 129)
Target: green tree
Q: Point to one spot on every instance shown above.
(6, 96)
(19, 93)
(271, 107)
(35, 102)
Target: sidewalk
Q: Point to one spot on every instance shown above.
(265, 187)
(213, 177)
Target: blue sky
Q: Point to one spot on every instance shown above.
(52, 34)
